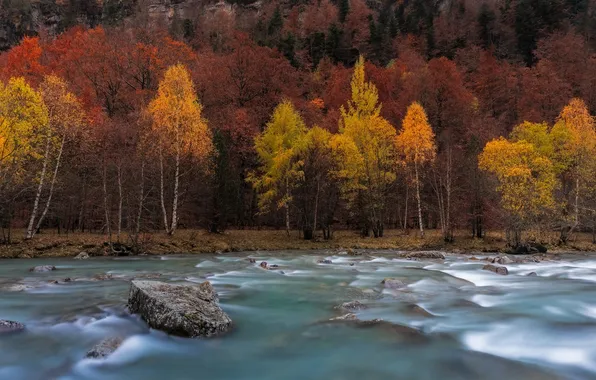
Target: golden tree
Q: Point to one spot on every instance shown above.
(575, 135)
(178, 129)
(365, 153)
(65, 116)
(526, 182)
(416, 142)
(276, 148)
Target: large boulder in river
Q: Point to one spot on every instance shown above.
(105, 348)
(10, 326)
(42, 268)
(496, 269)
(82, 256)
(183, 310)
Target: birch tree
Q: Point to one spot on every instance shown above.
(65, 116)
(416, 142)
(178, 129)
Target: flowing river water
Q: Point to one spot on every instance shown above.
(452, 321)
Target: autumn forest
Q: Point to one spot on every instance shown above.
(311, 116)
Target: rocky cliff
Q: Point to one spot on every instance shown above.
(20, 18)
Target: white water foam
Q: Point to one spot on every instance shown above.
(523, 341)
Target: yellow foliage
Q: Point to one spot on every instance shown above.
(416, 139)
(364, 150)
(177, 115)
(365, 97)
(526, 177)
(276, 148)
(23, 119)
(65, 111)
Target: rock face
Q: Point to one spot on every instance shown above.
(104, 348)
(42, 268)
(82, 256)
(10, 326)
(495, 268)
(183, 310)
(392, 283)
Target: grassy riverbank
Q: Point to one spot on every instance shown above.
(50, 244)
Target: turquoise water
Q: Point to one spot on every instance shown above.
(477, 325)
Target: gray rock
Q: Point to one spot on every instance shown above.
(183, 310)
(105, 348)
(42, 268)
(532, 274)
(325, 261)
(496, 269)
(424, 255)
(352, 305)
(82, 256)
(502, 260)
(392, 283)
(10, 326)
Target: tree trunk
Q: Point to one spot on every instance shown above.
(176, 185)
(419, 201)
(54, 175)
(119, 200)
(105, 204)
(287, 207)
(141, 199)
(46, 158)
(314, 224)
(161, 193)
(406, 208)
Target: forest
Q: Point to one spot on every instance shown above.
(312, 115)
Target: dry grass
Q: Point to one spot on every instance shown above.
(50, 244)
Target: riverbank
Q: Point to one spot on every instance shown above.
(51, 244)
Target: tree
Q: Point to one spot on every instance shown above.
(416, 142)
(316, 190)
(278, 171)
(179, 129)
(576, 132)
(365, 153)
(23, 119)
(526, 182)
(65, 116)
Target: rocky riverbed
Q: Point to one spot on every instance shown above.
(326, 315)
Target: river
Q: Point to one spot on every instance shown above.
(453, 321)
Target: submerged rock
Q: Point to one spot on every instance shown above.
(324, 261)
(183, 310)
(419, 311)
(392, 283)
(82, 256)
(352, 305)
(42, 268)
(10, 326)
(104, 348)
(424, 255)
(103, 277)
(345, 317)
(532, 274)
(496, 269)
